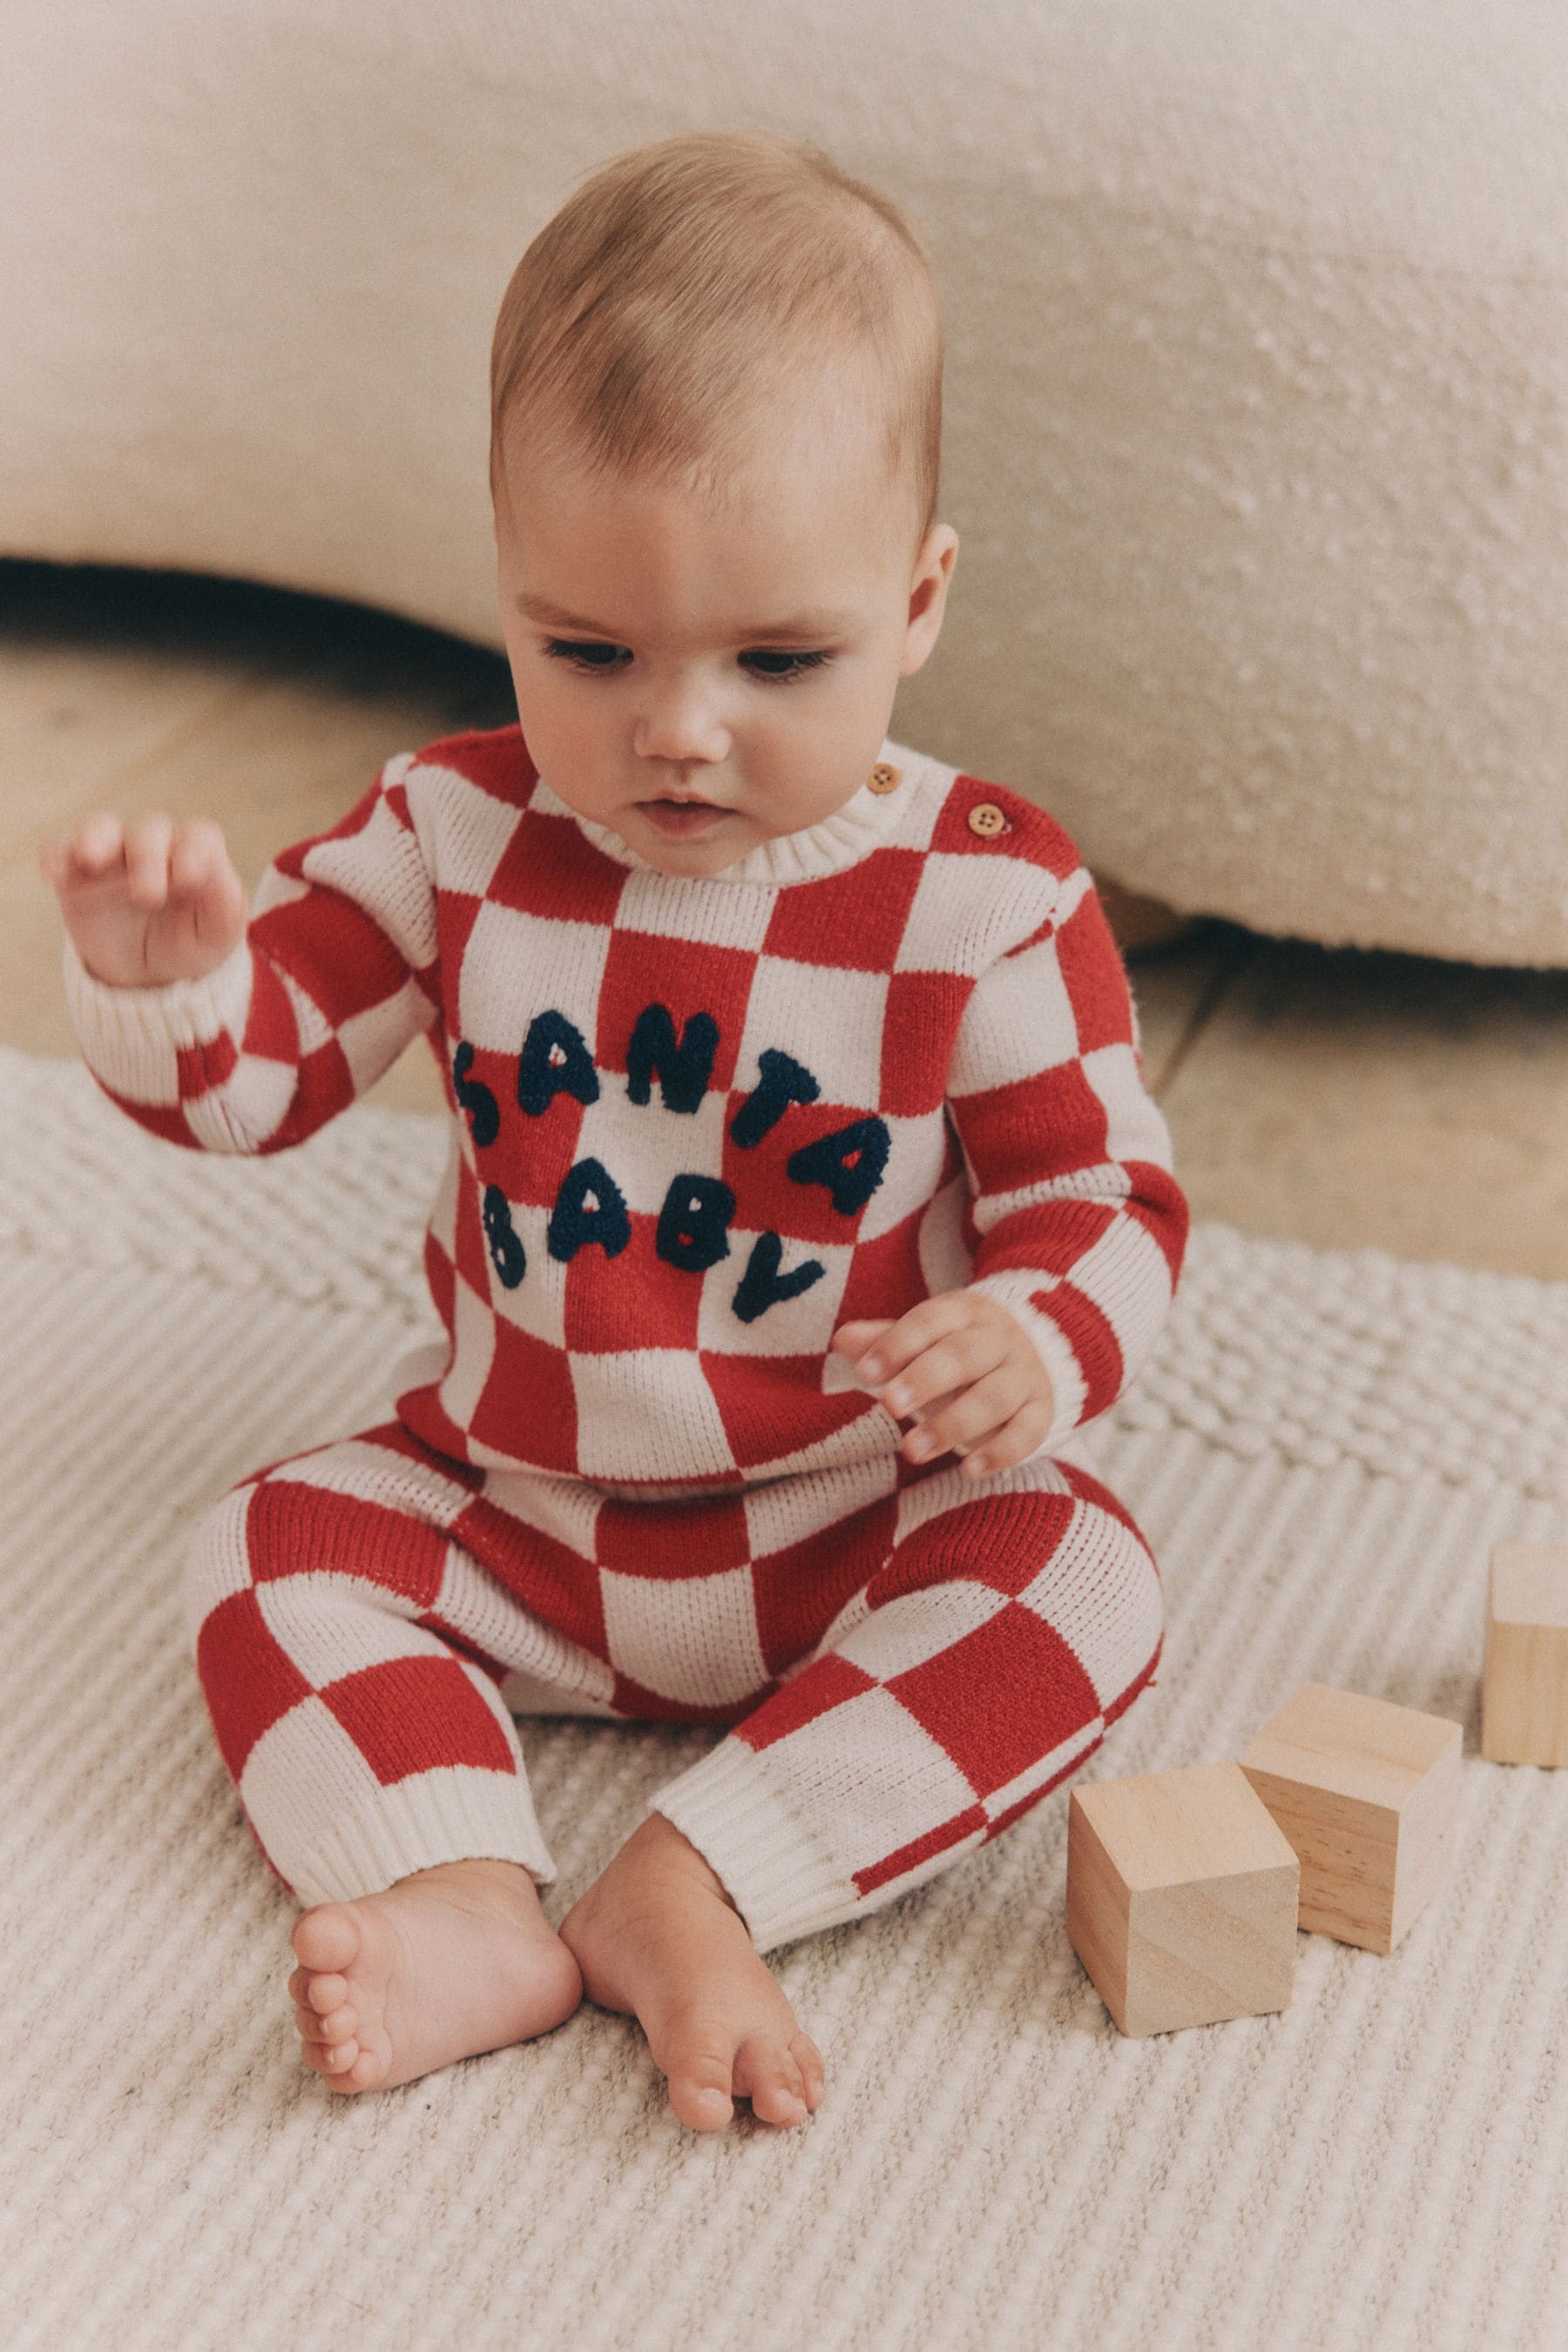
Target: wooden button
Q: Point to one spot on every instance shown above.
(987, 819)
(884, 778)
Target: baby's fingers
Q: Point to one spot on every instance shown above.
(147, 842)
(91, 850)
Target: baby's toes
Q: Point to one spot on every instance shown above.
(337, 2025)
(809, 2058)
(332, 2059)
(696, 2078)
(768, 2072)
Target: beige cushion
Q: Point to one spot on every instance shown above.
(1255, 399)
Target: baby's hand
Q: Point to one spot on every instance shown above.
(147, 902)
(968, 1368)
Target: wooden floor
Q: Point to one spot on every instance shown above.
(1340, 1099)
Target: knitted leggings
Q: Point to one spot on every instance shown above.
(904, 1663)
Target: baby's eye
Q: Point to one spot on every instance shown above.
(797, 665)
(585, 652)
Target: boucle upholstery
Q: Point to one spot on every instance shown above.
(1256, 393)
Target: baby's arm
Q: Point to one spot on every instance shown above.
(1079, 1225)
(231, 1037)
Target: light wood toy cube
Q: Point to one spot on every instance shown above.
(1524, 1684)
(1182, 1898)
(1368, 1794)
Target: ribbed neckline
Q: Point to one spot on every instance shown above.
(866, 820)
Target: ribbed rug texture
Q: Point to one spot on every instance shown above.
(1322, 1453)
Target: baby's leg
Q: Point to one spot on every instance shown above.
(349, 1650)
(976, 1670)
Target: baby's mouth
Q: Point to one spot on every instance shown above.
(683, 817)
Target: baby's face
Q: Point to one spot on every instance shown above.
(702, 675)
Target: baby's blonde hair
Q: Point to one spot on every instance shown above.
(692, 285)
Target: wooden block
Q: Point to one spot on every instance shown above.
(1367, 1793)
(1182, 1898)
(1524, 1683)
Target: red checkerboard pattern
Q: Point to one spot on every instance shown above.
(702, 1123)
(905, 1665)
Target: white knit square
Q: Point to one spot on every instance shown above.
(828, 1017)
(564, 1508)
(516, 966)
(790, 1327)
(372, 1040)
(1136, 1125)
(646, 1413)
(374, 1475)
(304, 1769)
(465, 833)
(1101, 1592)
(692, 1639)
(787, 1510)
(217, 1558)
(646, 1146)
(952, 919)
(248, 1108)
(382, 869)
(917, 1151)
(667, 904)
(906, 1632)
(1018, 1022)
(330, 1624)
(867, 1777)
(474, 1343)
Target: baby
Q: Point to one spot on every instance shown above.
(804, 1198)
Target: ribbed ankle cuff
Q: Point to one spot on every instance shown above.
(454, 1814)
(777, 1870)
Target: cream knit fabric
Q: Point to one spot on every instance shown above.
(1322, 1451)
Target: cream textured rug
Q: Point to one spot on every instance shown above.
(1322, 1453)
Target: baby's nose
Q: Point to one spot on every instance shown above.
(681, 723)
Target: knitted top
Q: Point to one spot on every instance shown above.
(697, 1123)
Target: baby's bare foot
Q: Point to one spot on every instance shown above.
(448, 1962)
(657, 1938)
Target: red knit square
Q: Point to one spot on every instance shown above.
(248, 1680)
(295, 1529)
(768, 1407)
(698, 1537)
(634, 1299)
(549, 867)
(856, 918)
(1000, 1697)
(924, 1008)
(1096, 982)
(686, 976)
(526, 1408)
(826, 1682)
(416, 1715)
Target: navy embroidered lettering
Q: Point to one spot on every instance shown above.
(484, 1111)
(555, 1060)
(694, 1222)
(783, 1081)
(849, 1161)
(588, 1208)
(683, 1069)
(761, 1286)
(507, 1253)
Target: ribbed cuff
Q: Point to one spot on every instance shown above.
(132, 1036)
(456, 1813)
(775, 1869)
